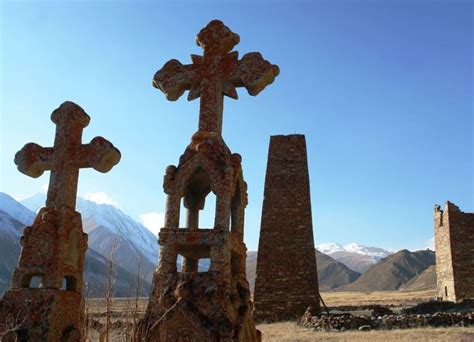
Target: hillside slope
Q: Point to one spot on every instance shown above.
(331, 273)
(393, 271)
(424, 281)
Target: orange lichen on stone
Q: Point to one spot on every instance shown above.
(215, 74)
(186, 304)
(46, 293)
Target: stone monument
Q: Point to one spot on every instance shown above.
(45, 302)
(286, 279)
(185, 304)
(454, 242)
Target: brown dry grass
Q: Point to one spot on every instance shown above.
(289, 331)
(397, 298)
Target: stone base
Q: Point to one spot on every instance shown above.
(273, 310)
(41, 315)
(198, 307)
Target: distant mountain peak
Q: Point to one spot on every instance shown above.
(353, 247)
(394, 271)
(354, 255)
(15, 209)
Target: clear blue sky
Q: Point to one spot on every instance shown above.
(382, 91)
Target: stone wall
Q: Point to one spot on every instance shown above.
(286, 280)
(454, 240)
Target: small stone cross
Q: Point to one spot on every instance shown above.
(67, 156)
(215, 74)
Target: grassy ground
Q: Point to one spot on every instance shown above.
(289, 331)
(396, 298)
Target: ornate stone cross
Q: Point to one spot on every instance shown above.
(215, 74)
(67, 156)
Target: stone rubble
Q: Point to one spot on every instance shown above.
(347, 321)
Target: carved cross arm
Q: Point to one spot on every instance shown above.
(174, 79)
(255, 73)
(33, 159)
(99, 154)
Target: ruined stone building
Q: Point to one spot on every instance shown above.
(186, 304)
(287, 277)
(454, 242)
(45, 302)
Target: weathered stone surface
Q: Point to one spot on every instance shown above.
(287, 279)
(187, 305)
(454, 242)
(215, 74)
(53, 248)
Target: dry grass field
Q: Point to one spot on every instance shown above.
(395, 298)
(288, 331)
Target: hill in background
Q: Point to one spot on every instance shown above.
(424, 281)
(113, 232)
(331, 273)
(393, 271)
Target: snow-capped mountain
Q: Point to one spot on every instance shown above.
(354, 247)
(329, 247)
(357, 257)
(111, 232)
(13, 218)
(114, 226)
(375, 252)
(16, 210)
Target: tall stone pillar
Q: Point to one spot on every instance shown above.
(287, 277)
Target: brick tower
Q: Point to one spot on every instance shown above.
(185, 304)
(454, 242)
(45, 301)
(287, 277)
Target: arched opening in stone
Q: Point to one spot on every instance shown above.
(182, 214)
(179, 262)
(193, 258)
(33, 281)
(198, 207)
(204, 265)
(69, 283)
(207, 215)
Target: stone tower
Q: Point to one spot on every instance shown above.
(185, 304)
(45, 301)
(287, 277)
(454, 242)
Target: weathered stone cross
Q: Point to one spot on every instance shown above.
(67, 156)
(215, 74)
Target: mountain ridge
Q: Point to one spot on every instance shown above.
(96, 266)
(393, 271)
(111, 231)
(355, 256)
